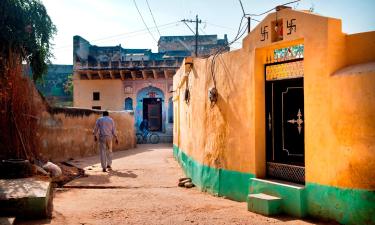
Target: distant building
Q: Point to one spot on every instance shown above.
(185, 45)
(52, 84)
(116, 78)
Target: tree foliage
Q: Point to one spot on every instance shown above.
(68, 85)
(25, 32)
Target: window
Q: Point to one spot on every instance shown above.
(97, 107)
(128, 104)
(128, 89)
(96, 96)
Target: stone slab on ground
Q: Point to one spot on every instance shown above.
(26, 198)
(264, 204)
(7, 220)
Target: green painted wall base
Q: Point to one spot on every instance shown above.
(346, 206)
(264, 204)
(221, 182)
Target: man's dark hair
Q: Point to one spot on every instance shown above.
(105, 113)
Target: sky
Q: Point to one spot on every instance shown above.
(114, 22)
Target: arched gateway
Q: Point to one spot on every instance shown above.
(150, 106)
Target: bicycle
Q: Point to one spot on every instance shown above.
(149, 137)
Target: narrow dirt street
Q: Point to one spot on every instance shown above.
(142, 189)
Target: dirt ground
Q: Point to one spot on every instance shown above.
(142, 189)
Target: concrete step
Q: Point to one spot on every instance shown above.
(264, 204)
(7, 220)
(26, 198)
(292, 196)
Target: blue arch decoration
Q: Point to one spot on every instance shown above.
(128, 104)
(148, 92)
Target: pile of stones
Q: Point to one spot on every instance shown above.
(185, 182)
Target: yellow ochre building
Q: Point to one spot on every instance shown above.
(287, 122)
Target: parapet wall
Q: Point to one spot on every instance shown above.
(66, 133)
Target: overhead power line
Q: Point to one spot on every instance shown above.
(196, 21)
(249, 16)
(131, 33)
(144, 22)
(153, 18)
(241, 31)
(202, 31)
(261, 14)
(220, 26)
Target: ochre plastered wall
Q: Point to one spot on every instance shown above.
(65, 133)
(361, 47)
(111, 94)
(342, 149)
(65, 136)
(216, 135)
(230, 135)
(114, 92)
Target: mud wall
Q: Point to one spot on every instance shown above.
(68, 133)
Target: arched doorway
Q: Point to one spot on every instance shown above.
(150, 107)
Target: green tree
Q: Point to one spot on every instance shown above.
(25, 34)
(68, 85)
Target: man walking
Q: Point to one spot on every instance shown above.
(105, 127)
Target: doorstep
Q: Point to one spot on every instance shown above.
(291, 196)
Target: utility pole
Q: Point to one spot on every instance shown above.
(196, 35)
(196, 21)
(247, 16)
(248, 24)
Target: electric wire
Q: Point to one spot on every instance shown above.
(153, 18)
(202, 31)
(240, 32)
(220, 26)
(184, 21)
(261, 14)
(144, 22)
(127, 34)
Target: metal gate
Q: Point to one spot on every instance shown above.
(285, 146)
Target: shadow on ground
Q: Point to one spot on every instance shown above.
(141, 148)
(128, 173)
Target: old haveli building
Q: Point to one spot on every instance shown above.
(115, 78)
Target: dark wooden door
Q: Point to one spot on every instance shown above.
(152, 111)
(285, 145)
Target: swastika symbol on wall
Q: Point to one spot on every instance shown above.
(263, 33)
(291, 26)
